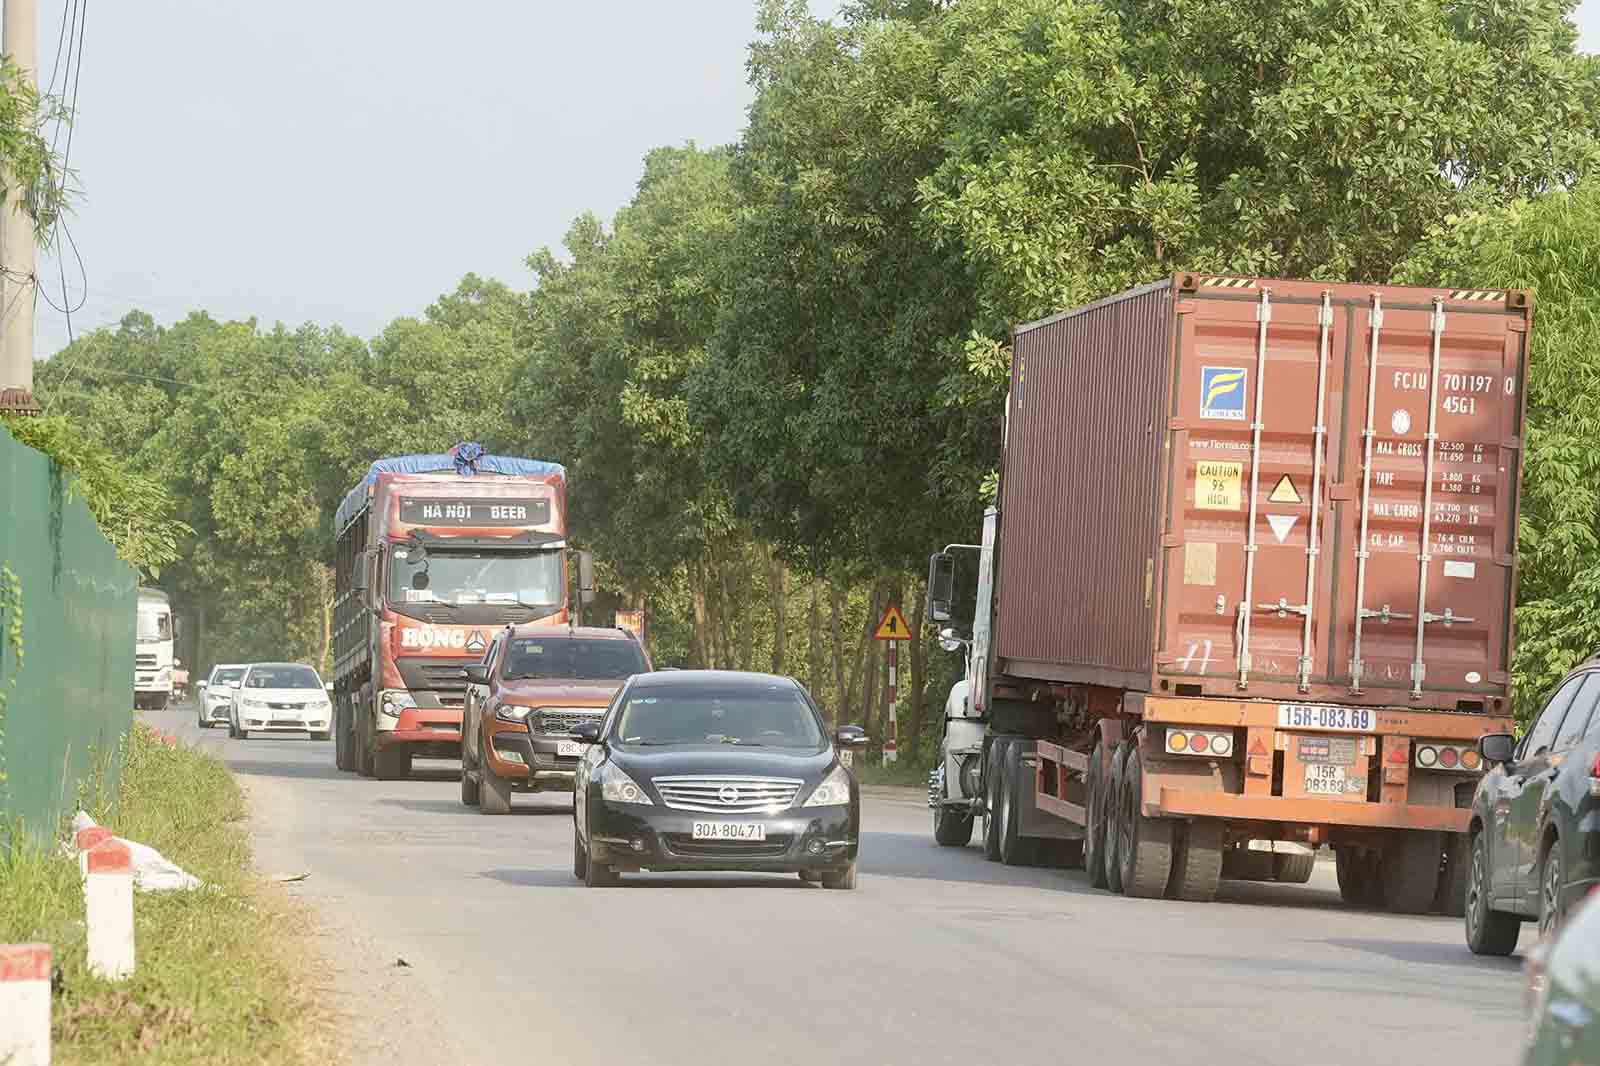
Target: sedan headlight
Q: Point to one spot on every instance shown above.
(833, 792)
(255, 703)
(397, 700)
(618, 787)
(508, 713)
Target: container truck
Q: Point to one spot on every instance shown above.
(1247, 590)
(153, 663)
(435, 555)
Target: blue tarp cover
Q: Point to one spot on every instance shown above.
(444, 463)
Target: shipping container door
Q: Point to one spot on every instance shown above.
(1424, 618)
(1236, 590)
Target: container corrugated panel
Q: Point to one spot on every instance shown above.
(1079, 493)
(1403, 595)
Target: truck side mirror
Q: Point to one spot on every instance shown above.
(585, 578)
(941, 586)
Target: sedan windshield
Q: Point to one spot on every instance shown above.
(526, 578)
(232, 674)
(283, 677)
(573, 658)
(775, 717)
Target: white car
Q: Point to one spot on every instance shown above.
(215, 696)
(280, 698)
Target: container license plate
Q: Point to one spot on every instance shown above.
(1328, 719)
(1325, 779)
(569, 747)
(729, 831)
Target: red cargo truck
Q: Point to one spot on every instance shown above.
(436, 554)
(1248, 590)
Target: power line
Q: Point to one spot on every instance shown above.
(81, 20)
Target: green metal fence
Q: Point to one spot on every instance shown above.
(68, 695)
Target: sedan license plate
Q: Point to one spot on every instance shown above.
(1328, 719)
(1325, 779)
(569, 747)
(729, 831)
(287, 719)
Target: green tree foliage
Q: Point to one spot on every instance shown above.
(1552, 247)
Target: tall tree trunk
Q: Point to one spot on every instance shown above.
(814, 644)
(917, 712)
(725, 611)
(841, 687)
(780, 610)
(869, 671)
(702, 630)
(747, 629)
(325, 599)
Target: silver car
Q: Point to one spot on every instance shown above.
(215, 696)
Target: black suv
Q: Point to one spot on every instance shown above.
(1535, 827)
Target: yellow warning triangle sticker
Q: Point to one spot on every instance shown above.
(893, 626)
(1258, 748)
(1284, 492)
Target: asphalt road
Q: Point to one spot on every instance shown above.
(938, 957)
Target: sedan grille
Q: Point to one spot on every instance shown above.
(683, 844)
(728, 794)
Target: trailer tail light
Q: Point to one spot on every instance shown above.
(1435, 756)
(1190, 742)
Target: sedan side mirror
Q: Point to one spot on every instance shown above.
(328, 685)
(588, 732)
(475, 673)
(1497, 748)
(851, 736)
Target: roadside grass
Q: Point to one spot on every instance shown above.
(222, 973)
(903, 773)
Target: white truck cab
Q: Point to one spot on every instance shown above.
(153, 663)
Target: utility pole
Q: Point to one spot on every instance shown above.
(19, 36)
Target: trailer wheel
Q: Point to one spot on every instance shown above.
(1144, 849)
(1451, 899)
(1410, 871)
(1094, 834)
(1241, 863)
(991, 793)
(1294, 869)
(1119, 764)
(1196, 862)
(952, 828)
(1015, 849)
(1352, 870)
(364, 743)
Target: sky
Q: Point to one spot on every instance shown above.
(345, 163)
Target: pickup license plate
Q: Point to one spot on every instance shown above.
(569, 747)
(729, 831)
(1325, 779)
(1328, 719)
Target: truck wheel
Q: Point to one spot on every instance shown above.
(952, 828)
(1119, 765)
(161, 702)
(1451, 899)
(341, 738)
(1489, 932)
(364, 744)
(392, 764)
(1094, 836)
(1350, 866)
(1410, 871)
(1015, 849)
(494, 791)
(1294, 869)
(991, 792)
(1196, 862)
(1144, 849)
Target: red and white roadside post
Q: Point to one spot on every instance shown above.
(25, 1004)
(107, 868)
(892, 628)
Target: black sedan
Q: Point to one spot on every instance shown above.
(715, 770)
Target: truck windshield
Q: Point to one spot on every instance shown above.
(577, 658)
(154, 626)
(527, 578)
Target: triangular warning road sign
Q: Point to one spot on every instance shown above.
(892, 626)
(1284, 491)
